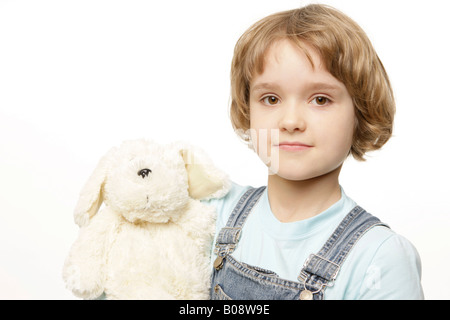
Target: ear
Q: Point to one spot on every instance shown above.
(205, 180)
(91, 196)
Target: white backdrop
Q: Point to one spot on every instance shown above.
(78, 77)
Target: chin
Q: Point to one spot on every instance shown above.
(303, 172)
(294, 176)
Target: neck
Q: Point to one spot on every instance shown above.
(298, 200)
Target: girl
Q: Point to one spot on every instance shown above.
(308, 89)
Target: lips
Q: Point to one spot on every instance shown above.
(293, 146)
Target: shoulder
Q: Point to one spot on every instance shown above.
(384, 265)
(225, 205)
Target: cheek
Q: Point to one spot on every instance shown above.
(257, 119)
(347, 128)
(260, 127)
(263, 134)
(339, 136)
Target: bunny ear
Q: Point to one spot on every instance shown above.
(205, 180)
(91, 196)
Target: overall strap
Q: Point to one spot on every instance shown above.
(322, 268)
(229, 235)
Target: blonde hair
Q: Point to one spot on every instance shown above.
(347, 54)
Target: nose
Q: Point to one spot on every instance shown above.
(293, 118)
(144, 172)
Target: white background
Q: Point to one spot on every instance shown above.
(78, 77)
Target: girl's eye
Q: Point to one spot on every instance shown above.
(271, 100)
(321, 101)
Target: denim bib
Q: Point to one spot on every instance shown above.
(232, 279)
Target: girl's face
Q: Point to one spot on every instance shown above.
(301, 118)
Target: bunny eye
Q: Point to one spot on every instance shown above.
(144, 172)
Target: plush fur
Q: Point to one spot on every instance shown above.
(152, 238)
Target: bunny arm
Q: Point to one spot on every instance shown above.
(84, 268)
(198, 223)
(198, 219)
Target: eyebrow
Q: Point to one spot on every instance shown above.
(264, 86)
(323, 86)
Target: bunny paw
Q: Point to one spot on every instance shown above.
(81, 286)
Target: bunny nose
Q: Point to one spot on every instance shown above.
(144, 173)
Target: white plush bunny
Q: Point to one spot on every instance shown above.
(152, 238)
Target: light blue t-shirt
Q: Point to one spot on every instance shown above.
(382, 265)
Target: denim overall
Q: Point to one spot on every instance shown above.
(232, 279)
